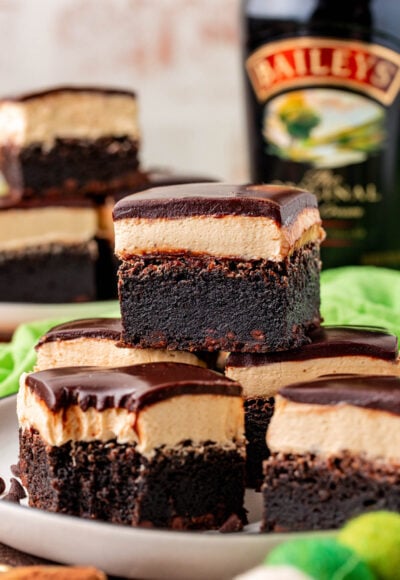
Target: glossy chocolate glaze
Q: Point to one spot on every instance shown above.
(69, 89)
(161, 178)
(328, 342)
(48, 201)
(372, 392)
(131, 388)
(280, 203)
(109, 328)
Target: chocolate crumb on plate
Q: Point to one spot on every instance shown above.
(16, 492)
(233, 524)
(15, 470)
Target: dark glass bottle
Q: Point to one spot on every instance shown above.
(323, 109)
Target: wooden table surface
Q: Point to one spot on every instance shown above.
(11, 557)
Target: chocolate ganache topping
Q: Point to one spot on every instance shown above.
(372, 392)
(69, 89)
(280, 203)
(84, 328)
(50, 201)
(327, 342)
(131, 388)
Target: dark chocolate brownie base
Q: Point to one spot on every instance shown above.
(106, 271)
(52, 274)
(310, 493)
(258, 413)
(202, 303)
(73, 166)
(179, 489)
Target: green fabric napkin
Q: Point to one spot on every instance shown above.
(352, 295)
(19, 355)
(361, 295)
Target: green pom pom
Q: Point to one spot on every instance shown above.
(375, 537)
(321, 558)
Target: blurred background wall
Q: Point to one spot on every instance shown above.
(181, 56)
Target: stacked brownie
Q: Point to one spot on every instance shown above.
(62, 152)
(218, 267)
(69, 140)
(332, 350)
(334, 452)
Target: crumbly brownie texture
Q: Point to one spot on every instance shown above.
(106, 271)
(112, 482)
(73, 166)
(204, 303)
(54, 273)
(258, 413)
(305, 492)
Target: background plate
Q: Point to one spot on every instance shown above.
(12, 314)
(120, 550)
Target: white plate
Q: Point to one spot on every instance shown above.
(120, 550)
(12, 314)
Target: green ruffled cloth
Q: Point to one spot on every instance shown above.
(353, 295)
(19, 356)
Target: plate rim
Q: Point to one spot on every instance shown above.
(132, 545)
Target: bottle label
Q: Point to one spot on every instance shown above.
(286, 64)
(325, 118)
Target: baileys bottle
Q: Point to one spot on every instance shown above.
(323, 110)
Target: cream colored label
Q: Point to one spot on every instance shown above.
(285, 64)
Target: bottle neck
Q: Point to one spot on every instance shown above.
(348, 11)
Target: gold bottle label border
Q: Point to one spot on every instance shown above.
(285, 64)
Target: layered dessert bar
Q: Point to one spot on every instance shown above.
(332, 350)
(47, 251)
(68, 140)
(335, 452)
(94, 342)
(218, 267)
(156, 445)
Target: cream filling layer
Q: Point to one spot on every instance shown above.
(198, 418)
(21, 228)
(328, 430)
(68, 114)
(103, 352)
(249, 238)
(266, 380)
